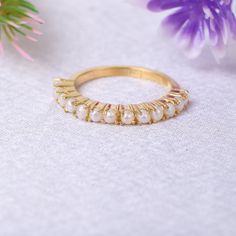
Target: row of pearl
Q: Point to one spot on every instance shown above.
(127, 116)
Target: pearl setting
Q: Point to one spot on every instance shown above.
(144, 117)
(157, 114)
(95, 115)
(110, 116)
(82, 112)
(170, 111)
(127, 117)
(69, 105)
(166, 107)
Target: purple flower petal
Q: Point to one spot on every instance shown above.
(159, 5)
(196, 22)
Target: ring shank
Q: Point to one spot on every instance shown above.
(135, 72)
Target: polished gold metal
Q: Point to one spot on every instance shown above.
(68, 96)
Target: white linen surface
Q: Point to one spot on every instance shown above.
(60, 176)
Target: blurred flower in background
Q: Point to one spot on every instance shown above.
(18, 18)
(195, 23)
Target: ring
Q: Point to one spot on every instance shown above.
(170, 105)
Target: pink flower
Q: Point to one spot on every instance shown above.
(19, 21)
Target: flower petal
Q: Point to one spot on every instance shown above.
(1, 49)
(194, 23)
(159, 5)
(21, 51)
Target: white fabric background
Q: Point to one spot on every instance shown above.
(60, 176)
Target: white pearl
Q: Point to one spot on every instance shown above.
(61, 100)
(128, 117)
(82, 112)
(110, 116)
(144, 117)
(70, 106)
(157, 114)
(96, 115)
(181, 104)
(170, 111)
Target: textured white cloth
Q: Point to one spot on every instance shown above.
(60, 176)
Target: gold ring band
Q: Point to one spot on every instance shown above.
(69, 98)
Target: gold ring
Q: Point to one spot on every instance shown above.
(69, 98)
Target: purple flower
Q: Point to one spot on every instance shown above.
(197, 22)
